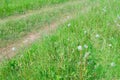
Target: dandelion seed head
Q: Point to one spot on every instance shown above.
(97, 36)
(69, 25)
(112, 64)
(85, 46)
(110, 45)
(79, 48)
(13, 49)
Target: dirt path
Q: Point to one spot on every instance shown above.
(11, 50)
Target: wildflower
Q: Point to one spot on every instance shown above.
(110, 45)
(79, 48)
(97, 35)
(69, 25)
(86, 54)
(85, 46)
(13, 49)
(112, 64)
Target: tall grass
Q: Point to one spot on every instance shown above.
(10, 7)
(84, 48)
(13, 30)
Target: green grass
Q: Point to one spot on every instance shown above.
(13, 30)
(11, 7)
(56, 56)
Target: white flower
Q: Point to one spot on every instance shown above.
(110, 45)
(85, 46)
(69, 25)
(97, 36)
(112, 64)
(79, 48)
(13, 49)
(86, 54)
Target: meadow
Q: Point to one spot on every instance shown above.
(10, 7)
(85, 47)
(13, 29)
